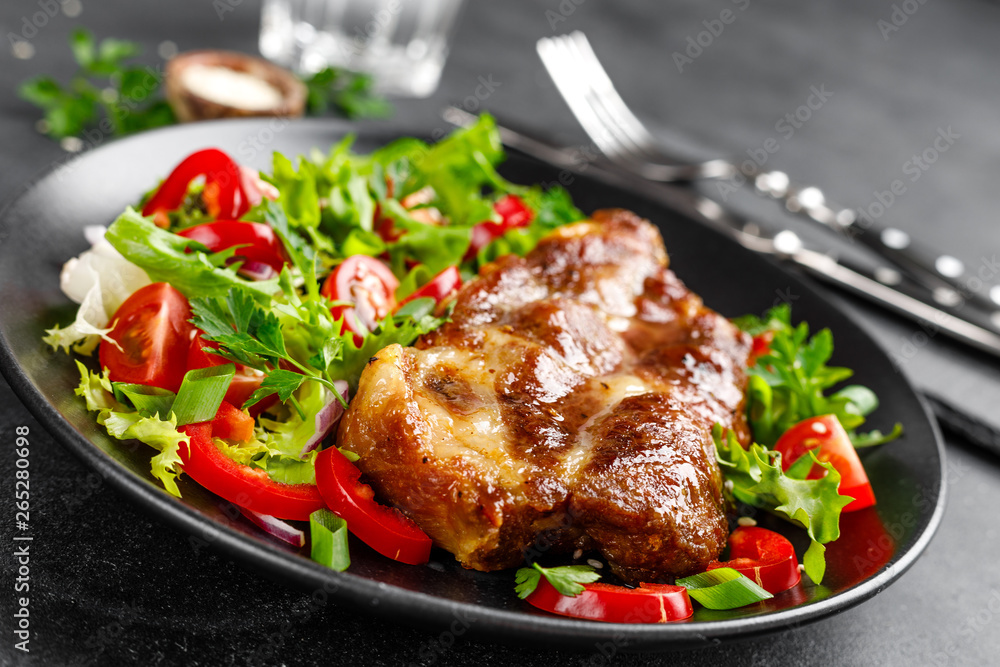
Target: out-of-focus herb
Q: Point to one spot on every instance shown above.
(110, 96)
(348, 93)
(106, 95)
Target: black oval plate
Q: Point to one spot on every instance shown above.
(42, 228)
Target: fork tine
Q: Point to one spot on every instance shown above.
(599, 80)
(571, 86)
(587, 89)
(630, 146)
(573, 82)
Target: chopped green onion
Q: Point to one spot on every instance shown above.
(328, 534)
(148, 401)
(724, 588)
(201, 393)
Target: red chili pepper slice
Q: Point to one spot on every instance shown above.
(245, 486)
(383, 528)
(650, 603)
(764, 557)
(224, 190)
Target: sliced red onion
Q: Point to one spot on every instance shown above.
(258, 270)
(276, 527)
(327, 418)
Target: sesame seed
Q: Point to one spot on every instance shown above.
(746, 521)
(802, 568)
(729, 486)
(596, 564)
(577, 554)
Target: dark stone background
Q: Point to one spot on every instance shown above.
(111, 585)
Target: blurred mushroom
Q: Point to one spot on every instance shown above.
(201, 85)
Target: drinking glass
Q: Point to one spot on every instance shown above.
(402, 43)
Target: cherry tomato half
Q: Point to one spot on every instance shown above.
(650, 603)
(827, 436)
(438, 288)
(260, 245)
(763, 556)
(245, 486)
(383, 528)
(366, 283)
(154, 334)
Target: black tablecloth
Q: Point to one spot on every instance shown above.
(110, 585)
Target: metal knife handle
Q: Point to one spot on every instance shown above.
(946, 276)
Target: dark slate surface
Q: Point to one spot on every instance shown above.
(110, 585)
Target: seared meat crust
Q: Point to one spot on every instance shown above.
(568, 404)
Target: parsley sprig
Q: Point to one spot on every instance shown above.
(567, 579)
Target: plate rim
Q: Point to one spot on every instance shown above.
(418, 607)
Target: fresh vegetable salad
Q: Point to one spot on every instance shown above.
(232, 313)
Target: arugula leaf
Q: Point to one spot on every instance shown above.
(788, 384)
(758, 480)
(165, 257)
(567, 579)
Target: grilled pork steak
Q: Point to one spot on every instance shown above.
(568, 404)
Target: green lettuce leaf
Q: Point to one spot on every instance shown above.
(165, 257)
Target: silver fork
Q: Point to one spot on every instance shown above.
(621, 136)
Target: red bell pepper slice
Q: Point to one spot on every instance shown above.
(440, 286)
(763, 556)
(650, 603)
(513, 213)
(225, 194)
(243, 485)
(256, 242)
(231, 423)
(383, 528)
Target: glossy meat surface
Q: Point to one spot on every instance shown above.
(568, 404)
